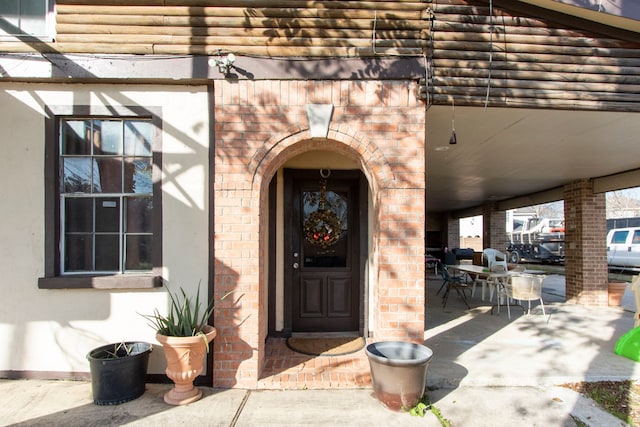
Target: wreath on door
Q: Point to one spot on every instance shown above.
(323, 227)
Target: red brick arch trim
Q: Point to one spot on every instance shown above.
(352, 144)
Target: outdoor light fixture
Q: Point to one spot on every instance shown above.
(453, 140)
(224, 65)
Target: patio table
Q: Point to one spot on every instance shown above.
(478, 271)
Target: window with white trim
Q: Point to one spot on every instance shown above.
(25, 17)
(106, 195)
(102, 199)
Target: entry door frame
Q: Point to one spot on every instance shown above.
(362, 241)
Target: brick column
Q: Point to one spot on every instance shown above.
(453, 233)
(586, 271)
(401, 284)
(494, 227)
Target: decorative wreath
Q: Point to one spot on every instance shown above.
(322, 228)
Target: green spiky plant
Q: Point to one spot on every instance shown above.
(186, 318)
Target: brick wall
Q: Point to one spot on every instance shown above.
(260, 125)
(453, 233)
(494, 227)
(585, 248)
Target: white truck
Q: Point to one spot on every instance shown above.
(536, 240)
(623, 247)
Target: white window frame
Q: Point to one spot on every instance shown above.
(49, 23)
(122, 196)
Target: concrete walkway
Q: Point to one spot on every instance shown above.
(65, 403)
(487, 370)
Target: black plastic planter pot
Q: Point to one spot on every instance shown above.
(398, 372)
(118, 377)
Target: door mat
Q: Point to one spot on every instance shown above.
(330, 346)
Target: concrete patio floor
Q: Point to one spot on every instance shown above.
(571, 343)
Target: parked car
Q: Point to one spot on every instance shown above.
(623, 247)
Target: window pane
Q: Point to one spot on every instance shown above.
(108, 174)
(78, 253)
(78, 215)
(324, 245)
(137, 176)
(139, 214)
(100, 234)
(33, 15)
(10, 13)
(138, 253)
(619, 237)
(107, 137)
(76, 175)
(75, 137)
(108, 215)
(137, 138)
(107, 253)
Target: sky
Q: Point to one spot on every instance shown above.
(471, 226)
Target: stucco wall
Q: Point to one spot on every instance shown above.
(53, 330)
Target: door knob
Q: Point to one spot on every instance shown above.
(296, 265)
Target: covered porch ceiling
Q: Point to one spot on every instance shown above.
(523, 156)
(506, 153)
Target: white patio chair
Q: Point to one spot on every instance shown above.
(486, 281)
(525, 287)
(495, 257)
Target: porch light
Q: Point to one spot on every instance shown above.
(224, 65)
(453, 139)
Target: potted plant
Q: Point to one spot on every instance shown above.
(616, 291)
(118, 372)
(185, 336)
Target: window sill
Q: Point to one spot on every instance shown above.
(10, 38)
(119, 281)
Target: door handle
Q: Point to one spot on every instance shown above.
(296, 265)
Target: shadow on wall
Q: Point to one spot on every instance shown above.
(229, 349)
(49, 332)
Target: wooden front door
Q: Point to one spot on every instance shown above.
(322, 229)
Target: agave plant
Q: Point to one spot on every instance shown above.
(186, 318)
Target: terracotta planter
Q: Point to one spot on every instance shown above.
(616, 292)
(185, 357)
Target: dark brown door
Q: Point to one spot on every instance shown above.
(322, 228)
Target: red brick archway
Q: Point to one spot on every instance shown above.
(379, 125)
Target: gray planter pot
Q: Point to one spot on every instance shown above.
(398, 372)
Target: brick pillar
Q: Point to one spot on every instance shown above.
(453, 233)
(586, 271)
(494, 227)
(401, 282)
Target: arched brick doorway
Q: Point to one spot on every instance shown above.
(379, 126)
